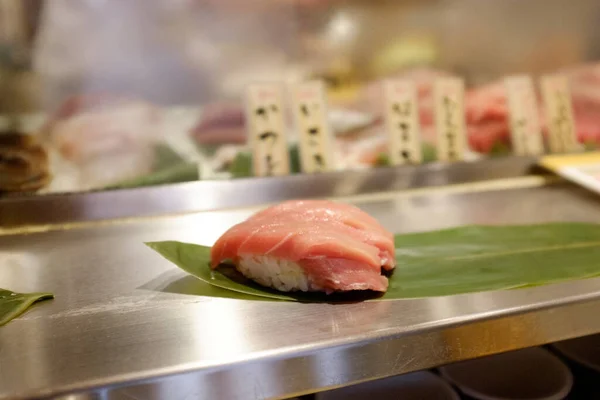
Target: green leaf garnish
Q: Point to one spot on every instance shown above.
(447, 262)
(14, 304)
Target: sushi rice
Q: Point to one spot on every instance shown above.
(277, 273)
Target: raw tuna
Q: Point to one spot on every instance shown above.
(313, 245)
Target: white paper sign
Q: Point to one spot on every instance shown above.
(315, 137)
(559, 114)
(449, 96)
(266, 130)
(525, 129)
(402, 122)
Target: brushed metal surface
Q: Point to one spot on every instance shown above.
(126, 322)
(213, 195)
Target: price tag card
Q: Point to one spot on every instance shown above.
(559, 113)
(402, 121)
(315, 136)
(450, 119)
(266, 130)
(526, 136)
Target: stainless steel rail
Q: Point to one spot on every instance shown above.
(126, 324)
(212, 195)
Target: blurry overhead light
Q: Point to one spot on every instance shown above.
(342, 28)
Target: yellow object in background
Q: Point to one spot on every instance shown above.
(402, 53)
(345, 80)
(557, 162)
(582, 169)
(342, 83)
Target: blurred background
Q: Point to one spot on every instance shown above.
(130, 92)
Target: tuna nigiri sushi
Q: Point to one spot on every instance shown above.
(310, 246)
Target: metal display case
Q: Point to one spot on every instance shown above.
(17, 211)
(178, 76)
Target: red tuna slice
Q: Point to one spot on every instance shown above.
(483, 137)
(318, 211)
(337, 245)
(344, 274)
(374, 240)
(295, 241)
(324, 210)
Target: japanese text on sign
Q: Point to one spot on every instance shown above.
(559, 113)
(524, 118)
(310, 111)
(450, 119)
(266, 130)
(402, 121)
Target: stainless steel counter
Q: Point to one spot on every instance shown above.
(219, 194)
(127, 322)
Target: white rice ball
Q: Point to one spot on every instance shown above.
(283, 275)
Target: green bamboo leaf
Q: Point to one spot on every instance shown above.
(14, 304)
(452, 261)
(195, 259)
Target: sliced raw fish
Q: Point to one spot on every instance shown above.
(335, 246)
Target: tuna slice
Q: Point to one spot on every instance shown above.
(312, 245)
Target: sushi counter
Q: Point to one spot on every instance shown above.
(125, 323)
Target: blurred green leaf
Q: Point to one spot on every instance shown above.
(184, 172)
(241, 166)
(14, 304)
(500, 148)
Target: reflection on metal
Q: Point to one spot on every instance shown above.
(398, 197)
(214, 195)
(126, 322)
